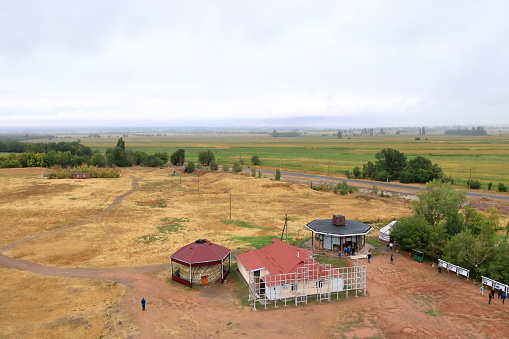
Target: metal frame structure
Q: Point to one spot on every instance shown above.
(313, 279)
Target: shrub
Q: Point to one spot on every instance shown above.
(255, 160)
(278, 175)
(348, 174)
(374, 189)
(189, 167)
(253, 172)
(490, 184)
(237, 167)
(475, 184)
(214, 166)
(502, 187)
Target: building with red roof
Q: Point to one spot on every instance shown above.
(200, 262)
(279, 271)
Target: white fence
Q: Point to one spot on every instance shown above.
(450, 267)
(495, 284)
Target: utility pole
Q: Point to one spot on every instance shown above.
(285, 229)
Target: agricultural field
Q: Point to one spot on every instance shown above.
(85, 252)
(478, 158)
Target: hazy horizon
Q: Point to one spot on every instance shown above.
(309, 64)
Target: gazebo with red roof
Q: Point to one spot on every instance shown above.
(200, 262)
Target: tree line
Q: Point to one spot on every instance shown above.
(443, 226)
(393, 165)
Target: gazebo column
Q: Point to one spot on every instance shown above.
(191, 274)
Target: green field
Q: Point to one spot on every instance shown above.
(487, 158)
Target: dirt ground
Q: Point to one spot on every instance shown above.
(78, 255)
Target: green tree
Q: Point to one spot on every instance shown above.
(420, 170)
(502, 187)
(255, 160)
(163, 156)
(278, 175)
(253, 172)
(438, 201)
(468, 250)
(121, 144)
(498, 265)
(357, 174)
(98, 159)
(390, 161)
(226, 167)
(206, 157)
(340, 135)
(178, 157)
(417, 233)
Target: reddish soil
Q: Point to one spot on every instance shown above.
(407, 299)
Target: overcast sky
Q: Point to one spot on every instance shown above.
(361, 63)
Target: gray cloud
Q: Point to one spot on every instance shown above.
(409, 62)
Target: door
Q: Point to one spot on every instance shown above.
(204, 279)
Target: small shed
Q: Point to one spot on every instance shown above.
(81, 175)
(200, 262)
(338, 233)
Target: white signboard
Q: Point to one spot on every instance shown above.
(495, 284)
(450, 267)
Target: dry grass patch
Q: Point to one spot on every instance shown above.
(54, 307)
(137, 232)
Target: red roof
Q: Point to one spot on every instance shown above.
(280, 258)
(277, 258)
(201, 251)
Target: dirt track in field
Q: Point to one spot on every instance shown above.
(404, 300)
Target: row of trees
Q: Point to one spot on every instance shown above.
(72, 154)
(75, 147)
(475, 131)
(392, 165)
(441, 227)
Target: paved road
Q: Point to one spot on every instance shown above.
(381, 185)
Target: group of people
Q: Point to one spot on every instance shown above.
(501, 294)
(349, 250)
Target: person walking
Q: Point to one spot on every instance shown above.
(392, 259)
(390, 245)
(143, 302)
(481, 290)
(503, 297)
(439, 269)
(490, 296)
(369, 257)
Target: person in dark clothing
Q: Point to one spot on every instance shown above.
(369, 257)
(392, 259)
(439, 269)
(503, 296)
(499, 293)
(143, 302)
